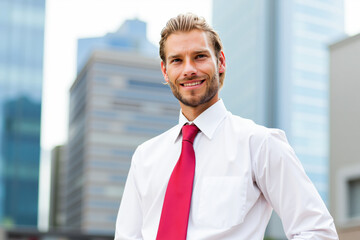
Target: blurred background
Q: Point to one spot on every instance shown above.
(81, 87)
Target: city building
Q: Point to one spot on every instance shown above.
(117, 101)
(277, 72)
(344, 136)
(21, 76)
(57, 208)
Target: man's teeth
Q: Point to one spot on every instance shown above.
(191, 84)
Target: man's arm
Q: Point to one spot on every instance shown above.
(129, 219)
(288, 189)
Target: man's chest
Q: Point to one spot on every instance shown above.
(223, 188)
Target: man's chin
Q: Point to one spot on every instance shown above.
(194, 101)
(190, 102)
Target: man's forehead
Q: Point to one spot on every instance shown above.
(194, 40)
(186, 34)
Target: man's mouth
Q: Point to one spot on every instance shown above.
(192, 84)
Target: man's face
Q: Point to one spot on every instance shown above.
(192, 69)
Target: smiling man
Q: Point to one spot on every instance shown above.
(192, 69)
(214, 175)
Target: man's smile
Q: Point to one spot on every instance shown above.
(192, 84)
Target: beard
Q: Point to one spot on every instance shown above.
(212, 89)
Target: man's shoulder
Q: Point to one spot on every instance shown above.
(255, 132)
(246, 125)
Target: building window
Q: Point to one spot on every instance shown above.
(354, 198)
(348, 196)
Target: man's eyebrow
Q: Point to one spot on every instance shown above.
(202, 51)
(173, 56)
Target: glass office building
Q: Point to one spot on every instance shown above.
(277, 70)
(21, 69)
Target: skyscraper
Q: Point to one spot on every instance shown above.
(277, 70)
(21, 67)
(117, 102)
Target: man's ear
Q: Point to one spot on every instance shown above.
(222, 62)
(163, 70)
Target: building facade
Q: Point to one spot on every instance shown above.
(21, 69)
(117, 102)
(277, 71)
(344, 136)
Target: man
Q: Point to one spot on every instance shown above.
(237, 173)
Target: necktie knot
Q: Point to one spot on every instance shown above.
(189, 132)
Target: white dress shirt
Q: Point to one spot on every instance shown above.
(243, 171)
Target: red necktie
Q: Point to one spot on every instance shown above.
(175, 212)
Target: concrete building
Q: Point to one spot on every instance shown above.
(117, 102)
(344, 136)
(277, 72)
(21, 76)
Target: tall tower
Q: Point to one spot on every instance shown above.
(117, 101)
(277, 70)
(21, 69)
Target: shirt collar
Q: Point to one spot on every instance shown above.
(207, 121)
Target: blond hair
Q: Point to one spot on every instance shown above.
(186, 23)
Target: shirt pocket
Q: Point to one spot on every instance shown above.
(221, 202)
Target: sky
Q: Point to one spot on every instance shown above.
(68, 20)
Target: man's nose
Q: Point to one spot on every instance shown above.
(189, 68)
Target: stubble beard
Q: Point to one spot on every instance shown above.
(193, 101)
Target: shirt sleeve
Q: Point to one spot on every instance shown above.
(285, 185)
(129, 219)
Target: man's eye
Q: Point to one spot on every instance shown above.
(201, 56)
(175, 60)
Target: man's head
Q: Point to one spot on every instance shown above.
(186, 23)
